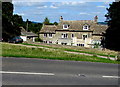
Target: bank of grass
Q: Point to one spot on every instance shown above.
(94, 53)
(9, 50)
(77, 49)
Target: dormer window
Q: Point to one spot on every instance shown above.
(65, 26)
(85, 27)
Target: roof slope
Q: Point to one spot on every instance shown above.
(48, 29)
(75, 26)
(25, 33)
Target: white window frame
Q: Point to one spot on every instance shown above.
(64, 35)
(65, 27)
(45, 41)
(85, 27)
(72, 35)
(50, 42)
(82, 45)
(63, 43)
(50, 35)
(45, 35)
(84, 37)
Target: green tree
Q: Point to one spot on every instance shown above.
(7, 9)
(46, 21)
(17, 20)
(10, 22)
(32, 26)
(55, 23)
(112, 36)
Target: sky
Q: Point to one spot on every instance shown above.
(37, 10)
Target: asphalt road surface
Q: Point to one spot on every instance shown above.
(26, 71)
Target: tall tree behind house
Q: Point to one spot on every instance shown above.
(10, 22)
(46, 21)
(112, 36)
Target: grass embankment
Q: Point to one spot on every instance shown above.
(77, 49)
(10, 50)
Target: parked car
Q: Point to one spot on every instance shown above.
(1, 39)
(16, 39)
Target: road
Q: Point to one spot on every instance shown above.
(27, 71)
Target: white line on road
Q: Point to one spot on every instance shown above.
(111, 77)
(33, 73)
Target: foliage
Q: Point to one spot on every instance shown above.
(112, 36)
(10, 22)
(96, 45)
(55, 23)
(46, 21)
(7, 9)
(38, 40)
(32, 26)
(118, 56)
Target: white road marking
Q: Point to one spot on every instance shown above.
(32, 73)
(111, 77)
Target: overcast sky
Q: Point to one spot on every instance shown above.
(37, 10)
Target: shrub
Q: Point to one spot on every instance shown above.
(38, 40)
(118, 56)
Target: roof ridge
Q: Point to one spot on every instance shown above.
(78, 20)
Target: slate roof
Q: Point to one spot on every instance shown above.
(25, 33)
(75, 26)
(48, 29)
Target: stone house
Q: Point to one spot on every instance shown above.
(84, 33)
(28, 36)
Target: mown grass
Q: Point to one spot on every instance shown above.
(93, 51)
(9, 50)
(71, 50)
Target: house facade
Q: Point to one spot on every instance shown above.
(28, 36)
(84, 33)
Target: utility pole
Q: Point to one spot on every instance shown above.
(27, 25)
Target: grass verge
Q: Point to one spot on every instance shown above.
(9, 50)
(74, 50)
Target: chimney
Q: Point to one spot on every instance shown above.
(117, 0)
(96, 18)
(61, 18)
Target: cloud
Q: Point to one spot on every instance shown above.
(37, 13)
(72, 3)
(95, 13)
(45, 6)
(21, 14)
(64, 0)
(52, 6)
(70, 10)
(28, 4)
(101, 6)
(84, 13)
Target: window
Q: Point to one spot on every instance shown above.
(45, 41)
(72, 35)
(45, 35)
(84, 36)
(50, 35)
(64, 43)
(50, 41)
(65, 26)
(64, 35)
(82, 45)
(85, 27)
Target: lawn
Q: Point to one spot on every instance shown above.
(77, 49)
(11, 50)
